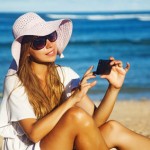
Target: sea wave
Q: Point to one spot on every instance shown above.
(141, 17)
(94, 41)
(109, 41)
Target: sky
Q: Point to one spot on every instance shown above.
(73, 5)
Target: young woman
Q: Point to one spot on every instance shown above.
(46, 107)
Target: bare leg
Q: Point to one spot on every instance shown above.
(116, 135)
(75, 127)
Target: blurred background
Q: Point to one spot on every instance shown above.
(100, 29)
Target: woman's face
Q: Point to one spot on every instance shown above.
(45, 55)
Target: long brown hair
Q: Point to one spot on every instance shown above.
(42, 102)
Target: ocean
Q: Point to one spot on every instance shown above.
(125, 36)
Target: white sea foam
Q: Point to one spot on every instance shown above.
(59, 16)
(142, 17)
(145, 18)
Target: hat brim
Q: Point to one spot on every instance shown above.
(63, 28)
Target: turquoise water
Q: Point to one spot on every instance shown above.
(126, 36)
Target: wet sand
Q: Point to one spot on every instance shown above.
(135, 115)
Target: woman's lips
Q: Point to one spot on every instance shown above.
(51, 53)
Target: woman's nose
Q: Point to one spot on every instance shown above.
(48, 44)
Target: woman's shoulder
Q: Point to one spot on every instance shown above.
(62, 67)
(12, 79)
(11, 82)
(65, 69)
(67, 74)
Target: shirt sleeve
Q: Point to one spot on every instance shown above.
(20, 107)
(72, 80)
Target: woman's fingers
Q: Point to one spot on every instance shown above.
(84, 79)
(93, 83)
(121, 69)
(85, 87)
(127, 67)
(89, 70)
(88, 75)
(116, 62)
(88, 85)
(111, 58)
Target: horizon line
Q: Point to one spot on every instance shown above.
(119, 11)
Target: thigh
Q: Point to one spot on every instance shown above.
(61, 137)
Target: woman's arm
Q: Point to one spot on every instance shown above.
(87, 105)
(103, 111)
(115, 79)
(37, 129)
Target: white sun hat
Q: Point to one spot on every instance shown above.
(32, 24)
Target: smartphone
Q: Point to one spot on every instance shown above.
(103, 67)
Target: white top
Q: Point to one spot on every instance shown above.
(15, 106)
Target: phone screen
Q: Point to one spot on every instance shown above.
(103, 67)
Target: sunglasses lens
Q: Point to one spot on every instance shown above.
(39, 43)
(52, 37)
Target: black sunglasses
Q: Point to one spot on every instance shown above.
(40, 41)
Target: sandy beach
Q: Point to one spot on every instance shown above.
(133, 114)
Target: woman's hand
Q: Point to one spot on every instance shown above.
(84, 86)
(117, 74)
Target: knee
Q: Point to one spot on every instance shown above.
(117, 130)
(111, 132)
(78, 117)
(113, 127)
